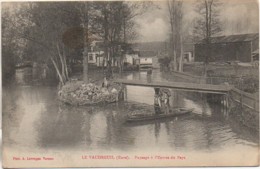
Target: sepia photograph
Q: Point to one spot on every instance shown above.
(169, 83)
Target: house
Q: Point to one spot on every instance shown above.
(255, 55)
(96, 58)
(149, 52)
(96, 55)
(131, 58)
(242, 47)
(151, 48)
(92, 57)
(162, 49)
(148, 59)
(188, 52)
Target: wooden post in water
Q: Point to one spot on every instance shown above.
(241, 100)
(125, 93)
(226, 104)
(255, 104)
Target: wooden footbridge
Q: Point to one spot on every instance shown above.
(195, 87)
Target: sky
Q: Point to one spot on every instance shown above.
(236, 16)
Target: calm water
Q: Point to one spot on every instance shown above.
(34, 118)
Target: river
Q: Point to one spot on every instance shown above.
(33, 118)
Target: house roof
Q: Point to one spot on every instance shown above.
(150, 46)
(233, 38)
(161, 46)
(147, 53)
(188, 47)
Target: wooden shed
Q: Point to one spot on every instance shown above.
(228, 48)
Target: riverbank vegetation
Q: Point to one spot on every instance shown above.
(246, 117)
(80, 93)
(57, 34)
(245, 78)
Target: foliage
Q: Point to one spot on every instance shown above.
(176, 18)
(11, 45)
(165, 63)
(248, 84)
(207, 24)
(114, 23)
(80, 93)
(38, 28)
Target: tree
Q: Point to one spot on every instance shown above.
(208, 25)
(114, 22)
(175, 14)
(85, 21)
(46, 30)
(43, 24)
(8, 45)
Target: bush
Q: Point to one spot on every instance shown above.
(80, 93)
(165, 63)
(249, 84)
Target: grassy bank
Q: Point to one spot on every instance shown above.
(245, 78)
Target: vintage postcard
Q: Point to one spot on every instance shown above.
(169, 83)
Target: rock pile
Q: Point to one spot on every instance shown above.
(79, 93)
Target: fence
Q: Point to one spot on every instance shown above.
(188, 77)
(215, 80)
(245, 99)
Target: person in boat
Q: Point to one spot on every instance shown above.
(157, 101)
(165, 97)
(105, 83)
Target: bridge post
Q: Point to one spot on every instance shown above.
(124, 91)
(255, 103)
(227, 102)
(224, 104)
(241, 100)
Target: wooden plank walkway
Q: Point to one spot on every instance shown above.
(205, 88)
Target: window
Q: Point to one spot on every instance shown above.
(90, 57)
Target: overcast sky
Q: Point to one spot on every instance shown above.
(237, 16)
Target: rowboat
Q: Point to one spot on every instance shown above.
(150, 117)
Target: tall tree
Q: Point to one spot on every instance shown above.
(8, 44)
(85, 23)
(114, 22)
(43, 24)
(208, 25)
(176, 14)
(12, 45)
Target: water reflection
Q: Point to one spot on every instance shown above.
(34, 118)
(23, 76)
